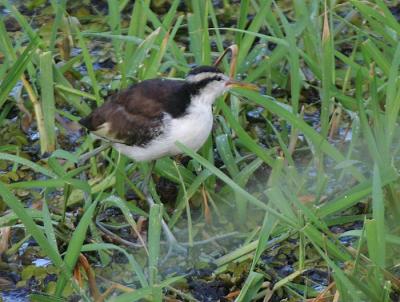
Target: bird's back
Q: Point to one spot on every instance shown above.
(134, 116)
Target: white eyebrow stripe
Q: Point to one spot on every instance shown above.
(201, 76)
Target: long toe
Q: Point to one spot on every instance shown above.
(174, 249)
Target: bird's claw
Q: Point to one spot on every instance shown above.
(174, 248)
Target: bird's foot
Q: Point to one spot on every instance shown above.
(173, 244)
(174, 248)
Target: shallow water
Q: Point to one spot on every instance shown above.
(15, 295)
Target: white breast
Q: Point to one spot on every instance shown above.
(192, 130)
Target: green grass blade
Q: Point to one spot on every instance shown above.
(114, 21)
(250, 198)
(39, 297)
(226, 154)
(254, 27)
(268, 226)
(192, 189)
(187, 206)
(48, 226)
(132, 262)
(251, 287)
(293, 57)
(132, 65)
(74, 95)
(154, 241)
(28, 163)
(6, 46)
(194, 27)
(31, 226)
(21, 20)
(47, 98)
(317, 140)
(280, 202)
(74, 247)
(377, 56)
(89, 66)
(59, 7)
(378, 214)
(136, 28)
(328, 75)
(74, 92)
(139, 294)
(247, 140)
(348, 198)
(393, 97)
(122, 205)
(241, 23)
(322, 241)
(15, 72)
(51, 183)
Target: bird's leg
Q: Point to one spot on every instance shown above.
(172, 242)
(85, 157)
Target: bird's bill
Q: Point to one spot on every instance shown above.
(233, 84)
(234, 51)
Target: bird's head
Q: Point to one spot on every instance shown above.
(207, 81)
(210, 82)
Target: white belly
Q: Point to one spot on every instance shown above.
(192, 130)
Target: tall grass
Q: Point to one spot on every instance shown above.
(296, 49)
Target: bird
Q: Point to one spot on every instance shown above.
(145, 121)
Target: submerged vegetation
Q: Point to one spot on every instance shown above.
(294, 197)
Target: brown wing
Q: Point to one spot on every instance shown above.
(135, 115)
